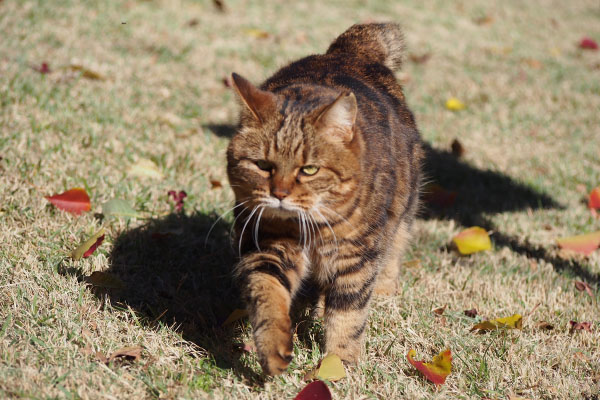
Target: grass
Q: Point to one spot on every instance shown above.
(530, 132)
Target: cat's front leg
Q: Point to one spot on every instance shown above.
(346, 311)
(269, 280)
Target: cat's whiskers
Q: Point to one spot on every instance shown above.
(262, 209)
(220, 218)
(244, 228)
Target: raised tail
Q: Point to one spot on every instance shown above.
(381, 43)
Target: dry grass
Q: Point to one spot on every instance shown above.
(530, 129)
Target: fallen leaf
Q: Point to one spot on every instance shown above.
(43, 68)
(484, 20)
(74, 201)
(316, 390)
(257, 33)
(512, 322)
(193, 22)
(420, 59)
(584, 244)
(235, 315)
(587, 43)
(145, 168)
(178, 198)
(580, 326)
(216, 184)
(472, 240)
(118, 208)
(86, 72)
(454, 104)
(437, 370)
(87, 248)
(471, 313)
(412, 264)
(580, 356)
(543, 325)
(220, 5)
(104, 280)
(594, 202)
(227, 81)
(533, 63)
(132, 353)
(436, 195)
(440, 310)
(457, 148)
(581, 286)
(330, 369)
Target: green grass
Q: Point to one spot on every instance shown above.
(530, 132)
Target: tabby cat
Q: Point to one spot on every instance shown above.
(325, 168)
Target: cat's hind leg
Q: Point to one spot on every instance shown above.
(387, 281)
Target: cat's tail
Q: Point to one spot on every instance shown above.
(379, 42)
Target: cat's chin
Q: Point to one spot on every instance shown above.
(280, 213)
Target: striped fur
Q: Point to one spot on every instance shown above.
(344, 227)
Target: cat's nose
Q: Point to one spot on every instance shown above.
(280, 193)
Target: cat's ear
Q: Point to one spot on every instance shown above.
(338, 118)
(260, 102)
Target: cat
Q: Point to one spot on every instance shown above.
(325, 168)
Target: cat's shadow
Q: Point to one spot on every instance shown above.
(176, 275)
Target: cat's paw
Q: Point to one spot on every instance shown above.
(274, 347)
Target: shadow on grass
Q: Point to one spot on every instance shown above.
(481, 193)
(172, 276)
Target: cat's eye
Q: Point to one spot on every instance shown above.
(264, 165)
(309, 169)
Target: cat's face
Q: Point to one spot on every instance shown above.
(302, 160)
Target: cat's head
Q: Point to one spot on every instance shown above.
(296, 150)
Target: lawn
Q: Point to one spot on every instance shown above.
(128, 81)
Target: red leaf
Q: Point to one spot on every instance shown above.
(42, 69)
(437, 370)
(92, 249)
(178, 198)
(316, 390)
(594, 201)
(74, 201)
(436, 195)
(471, 313)
(588, 44)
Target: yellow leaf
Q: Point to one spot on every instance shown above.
(512, 322)
(330, 369)
(104, 280)
(257, 33)
(146, 169)
(454, 104)
(86, 72)
(472, 240)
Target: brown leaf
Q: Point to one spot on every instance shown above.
(87, 73)
(104, 280)
(533, 63)
(132, 353)
(580, 326)
(471, 313)
(216, 184)
(580, 356)
(419, 59)
(543, 325)
(220, 5)
(484, 20)
(457, 148)
(440, 310)
(581, 286)
(193, 22)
